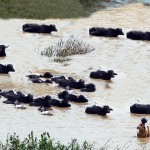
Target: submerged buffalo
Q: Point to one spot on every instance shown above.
(5, 69)
(88, 88)
(2, 50)
(35, 28)
(138, 35)
(105, 75)
(140, 108)
(72, 97)
(106, 32)
(98, 110)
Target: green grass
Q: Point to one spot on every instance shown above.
(41, 9)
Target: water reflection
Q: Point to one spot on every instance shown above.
(91, 6)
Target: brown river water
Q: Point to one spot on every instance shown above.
(130, 59)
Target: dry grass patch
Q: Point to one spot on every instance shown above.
(65, 48)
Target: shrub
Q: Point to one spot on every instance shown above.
(44, 143)
(71, 46)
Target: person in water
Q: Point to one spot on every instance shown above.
(143, 130)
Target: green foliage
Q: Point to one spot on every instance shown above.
(92, 5)
(41, 9)
(44, 143)
(71, 46)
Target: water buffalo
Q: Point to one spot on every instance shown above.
(58, 79)
(140, 108)
(106, 32)
(88, 88)
(71, 97)
(5, 69)
(63, 103)
(99, 74)
(38, 80)
(35, 28)
(7, 93)
(2, 50)
(16, 96)
(41, 101)
(98, 110)
(44, 75)
(138, 35)
(72, 83)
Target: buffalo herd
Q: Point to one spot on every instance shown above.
(94, 31)
(111, 32)
(67, 83)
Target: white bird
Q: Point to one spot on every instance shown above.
(138, 101)
(68, 89)
(20, 106)
(47, 113)
(44, 111)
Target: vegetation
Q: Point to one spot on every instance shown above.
(41, 9)
(71, 46)
(92, 5)
(44, 143)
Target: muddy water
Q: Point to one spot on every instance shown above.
(130, 59)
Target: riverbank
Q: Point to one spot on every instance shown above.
(45, 142)
(39, 9)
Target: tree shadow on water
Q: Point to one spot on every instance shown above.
(91, 6)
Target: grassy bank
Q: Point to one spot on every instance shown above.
(41, 9)
(44, 143)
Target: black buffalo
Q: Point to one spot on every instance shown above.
(2, 50)
(63, 103)
(72, 83)
(38, 80)
(58, 79)
(41, 101)
(105, 75)
(35, 28)
(140, 108)
(44, 75)
(13, 96)
(5, 69)
(6, 93)
(71, 97)
(106, 32)
(88, 88)
(138, 35)
(98, 110)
